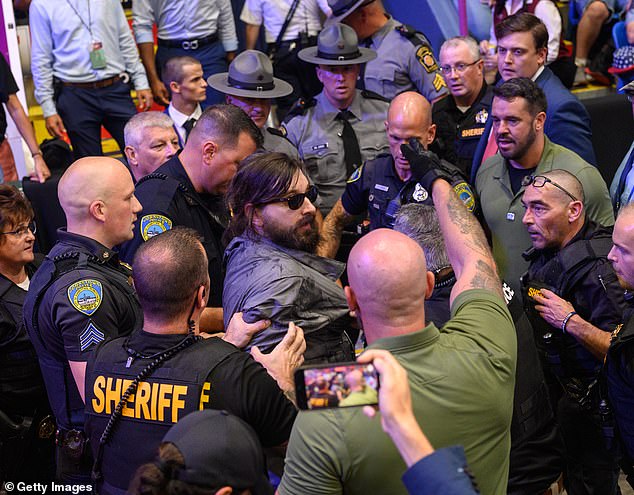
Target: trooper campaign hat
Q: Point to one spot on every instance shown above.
(337, 44)
(342, 8)
(219, 450)
(250, 75)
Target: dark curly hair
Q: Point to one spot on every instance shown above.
(157, 478)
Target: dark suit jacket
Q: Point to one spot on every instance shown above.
(567, 122)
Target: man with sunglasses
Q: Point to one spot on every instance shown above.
(574, 301)
(461, 117)
(272, 271)
(189, 190)
(518, 115)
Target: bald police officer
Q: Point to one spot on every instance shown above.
(175, 370)
(381, 185)
(250, 85)
(82, 295)
(405, 60)
(341, 127)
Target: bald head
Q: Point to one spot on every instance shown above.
(97, 196)
(409, 117)
(388, 278)
(410, 107)
(567, 181)
(355, 380)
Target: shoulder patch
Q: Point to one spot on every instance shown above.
(86, 296)
(152, 225)
(371, 95)
(464, 192)
(356, 175)
(427, 60)
(300, 107)
(90, 336)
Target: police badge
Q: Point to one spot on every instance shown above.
(482, 116)
(420, 194)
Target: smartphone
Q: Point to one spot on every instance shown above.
(336, 385)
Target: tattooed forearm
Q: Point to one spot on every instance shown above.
(468, 225)
(331, 230)
(486, 278)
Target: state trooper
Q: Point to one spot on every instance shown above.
(341, 127)
(81, 295)
(405, 60)
(381, 185)
(138, 386)
(574, 301)
(250, 85)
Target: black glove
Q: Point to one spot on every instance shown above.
(425, 165)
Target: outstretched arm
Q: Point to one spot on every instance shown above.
(332, 229)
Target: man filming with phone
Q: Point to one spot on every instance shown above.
(462, 378)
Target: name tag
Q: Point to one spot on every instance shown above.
(320, 146)
(381, 187)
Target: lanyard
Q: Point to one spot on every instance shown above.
(87, 26)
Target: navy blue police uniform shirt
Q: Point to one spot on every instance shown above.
(80, 296)
(169, 199)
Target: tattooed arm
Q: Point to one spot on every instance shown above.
(467, 247)
(331, 230)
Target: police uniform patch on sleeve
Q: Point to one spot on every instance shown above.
(426, 59)
(439, 82)
(356, 175)
(86, 296)
(90, 336)
(465, 194)
(152, 225)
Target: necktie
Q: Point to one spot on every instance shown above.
(622, 182)
(366, 43)
(351, 150)
(188, 126)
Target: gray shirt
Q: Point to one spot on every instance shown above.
(274, 142)
(317, 135)
(265, 280)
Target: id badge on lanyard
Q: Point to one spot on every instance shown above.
(97, 55)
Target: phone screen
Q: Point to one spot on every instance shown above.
(337, 385)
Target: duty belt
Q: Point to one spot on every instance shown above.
(189, 44)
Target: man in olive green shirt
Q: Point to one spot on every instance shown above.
(461, 376)
(519, 114)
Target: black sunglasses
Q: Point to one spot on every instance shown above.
(297, 200)
(540, 181)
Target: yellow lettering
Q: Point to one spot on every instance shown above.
(163, 402)
(154, 400)
(204, 395)
(177, 402)
(141, 409)
(97, 389)
(534, 292)
(113, 395)
(127, 410)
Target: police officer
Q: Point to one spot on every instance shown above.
(574, 301)
(250, 85)
(381, 185)
(405, 60)
(174, 371)
(619, 369)
(81, 295)
(341, 127)
(188, 190)
(461, 117)
(26, 425)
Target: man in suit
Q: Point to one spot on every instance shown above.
(522, 49)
